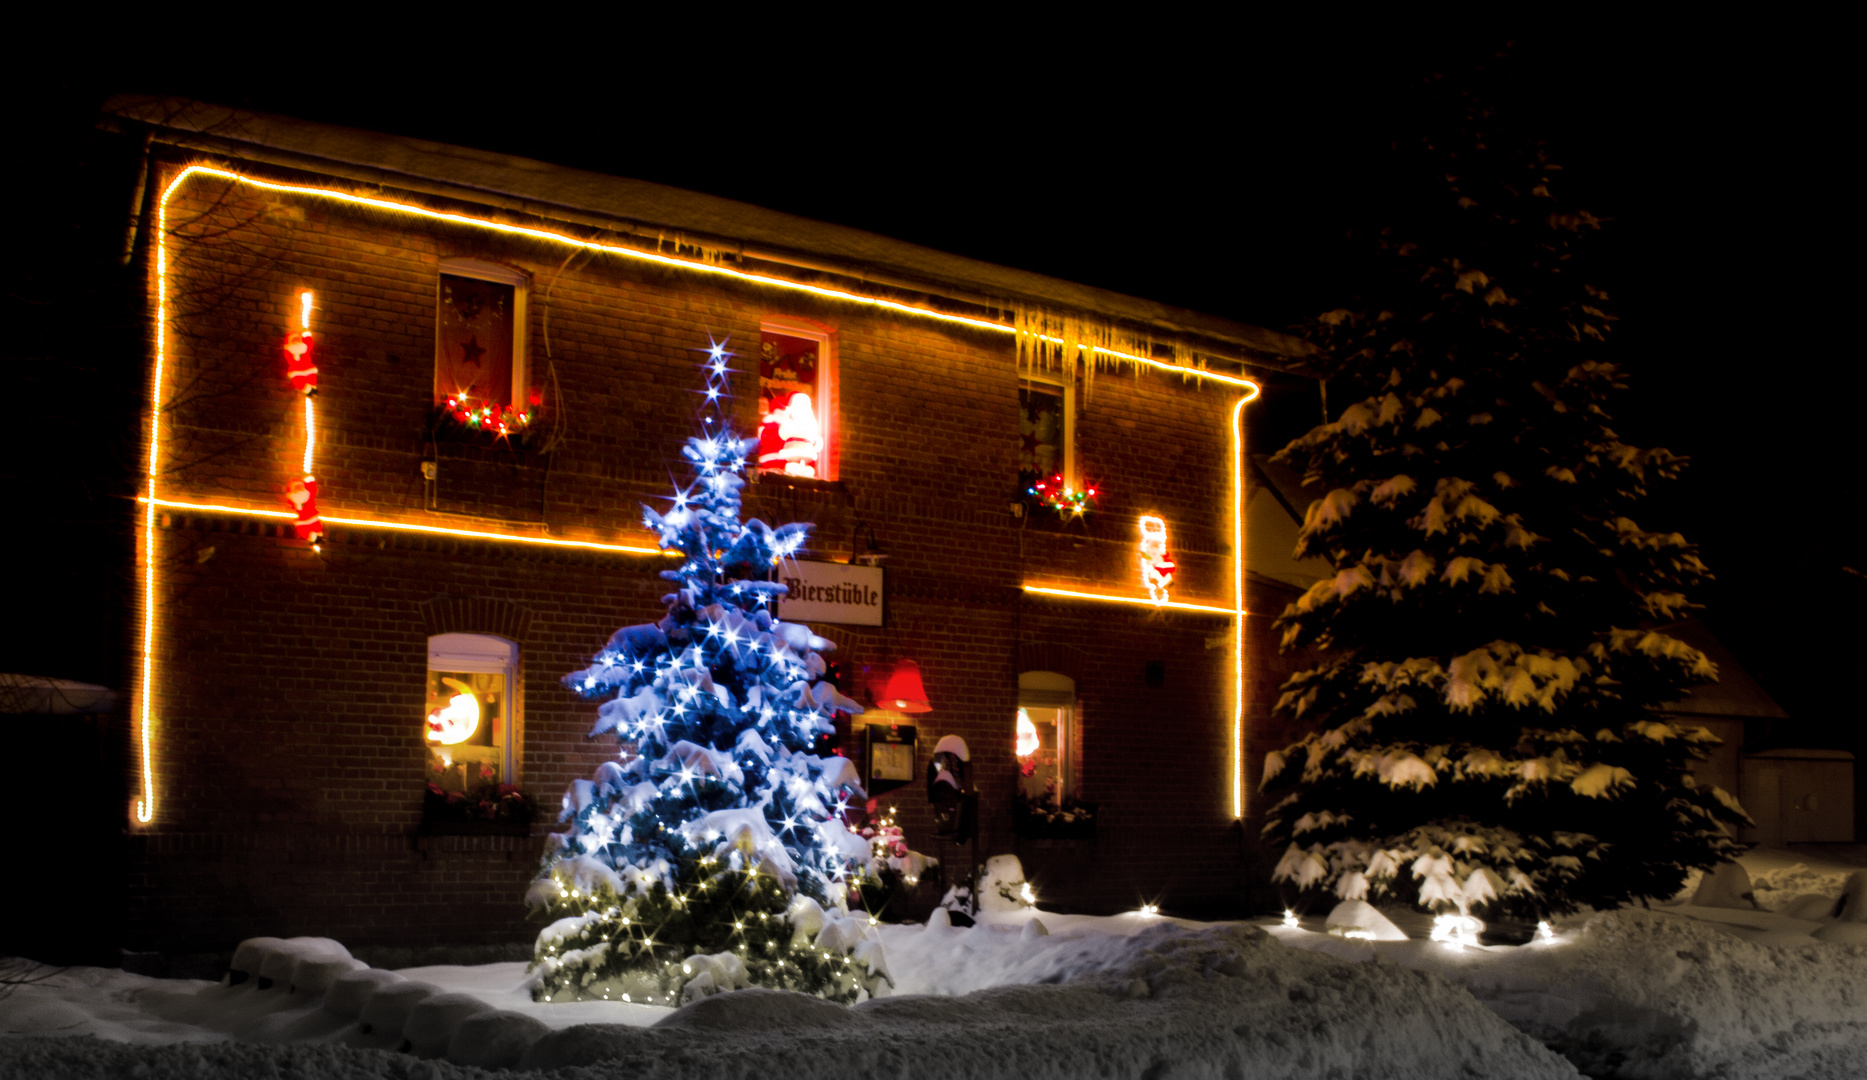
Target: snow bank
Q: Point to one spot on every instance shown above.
(1224, 1001)
(1149, 998)
(1682, 991)
(1675, 993)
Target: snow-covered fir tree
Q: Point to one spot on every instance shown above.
(713, 853)
(1491, 650)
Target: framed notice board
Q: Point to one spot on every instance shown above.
(888, 756)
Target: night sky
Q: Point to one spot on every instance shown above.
(1217, 166)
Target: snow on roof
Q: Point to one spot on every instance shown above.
(555, 191)
(41, 695)
(1735, 693)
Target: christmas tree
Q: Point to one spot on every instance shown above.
(713, 853)
(1490, 652)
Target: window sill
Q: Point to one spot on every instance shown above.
(772, 483)
(474, 828)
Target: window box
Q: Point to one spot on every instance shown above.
(1041, 819)
(500, 811)
(481, 385)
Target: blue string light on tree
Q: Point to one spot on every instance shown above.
(713, 852)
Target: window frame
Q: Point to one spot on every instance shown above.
(1039, 689)
(481, 270)
(485, 654)
(828, 401)
(1049, 383)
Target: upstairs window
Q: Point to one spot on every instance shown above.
(796, 399)
(479, 347)
(1046, 454)
(468, 723)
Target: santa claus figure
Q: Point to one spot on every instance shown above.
(304, 495)
(298, 363)
(789, 439)
(1156, 565)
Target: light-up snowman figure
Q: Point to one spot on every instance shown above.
(1156, 565)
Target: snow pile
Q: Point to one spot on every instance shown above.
(1682, 991)
(1219, 1001)
(1677, 993)
(1151, 996)
(1777, 886)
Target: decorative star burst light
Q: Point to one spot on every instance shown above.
(712, 853)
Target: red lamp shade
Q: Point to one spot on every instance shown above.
(904, 692)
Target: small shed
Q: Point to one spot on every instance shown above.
(1799, 796)
(1794, 795)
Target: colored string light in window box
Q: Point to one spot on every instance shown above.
(1062, 498)
(502, 421)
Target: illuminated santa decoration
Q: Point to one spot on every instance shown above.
(299, 367)
(303, 495)
(1156, 565)
(789, 438)
(458, 720)
(1028, 742)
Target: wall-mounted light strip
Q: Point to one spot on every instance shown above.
(145, 692)
(1238, 609)
(1116, 598)
(1236, 612)
(311, 432)
(409, 526)
(697, 267)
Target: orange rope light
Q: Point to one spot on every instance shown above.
(144, 807)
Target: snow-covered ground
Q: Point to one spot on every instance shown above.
(1687, 990)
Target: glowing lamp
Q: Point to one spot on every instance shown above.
(904, 692)
(1027, 735)
(457, 722)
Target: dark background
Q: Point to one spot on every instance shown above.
(1223, 166)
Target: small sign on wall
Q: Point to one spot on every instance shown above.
(832, 593)
(891, 756)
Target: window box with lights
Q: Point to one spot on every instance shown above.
(481, 390)
(1050, 488)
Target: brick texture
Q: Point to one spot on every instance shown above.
(290, 683)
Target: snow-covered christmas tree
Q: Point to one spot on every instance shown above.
(713, 853)
(1492, 646)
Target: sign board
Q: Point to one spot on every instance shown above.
(891, 756)
(832, 593)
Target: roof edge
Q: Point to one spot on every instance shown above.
(599, 200)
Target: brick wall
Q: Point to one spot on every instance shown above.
(290, 683)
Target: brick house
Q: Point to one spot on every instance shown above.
(506, 356)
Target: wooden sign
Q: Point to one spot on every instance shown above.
(831, 593)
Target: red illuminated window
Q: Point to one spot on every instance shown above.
(797, 400)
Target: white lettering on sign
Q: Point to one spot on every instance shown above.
(832, 593)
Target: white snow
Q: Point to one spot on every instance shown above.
(1683, 990)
